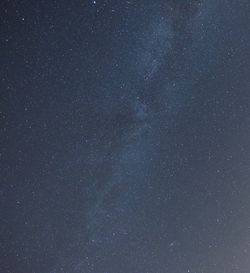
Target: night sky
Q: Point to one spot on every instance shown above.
(125, 136)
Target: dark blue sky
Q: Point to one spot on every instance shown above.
(125, 136)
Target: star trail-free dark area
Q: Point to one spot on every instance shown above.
(125, 136)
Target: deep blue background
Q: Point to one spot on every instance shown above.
(125, 136)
